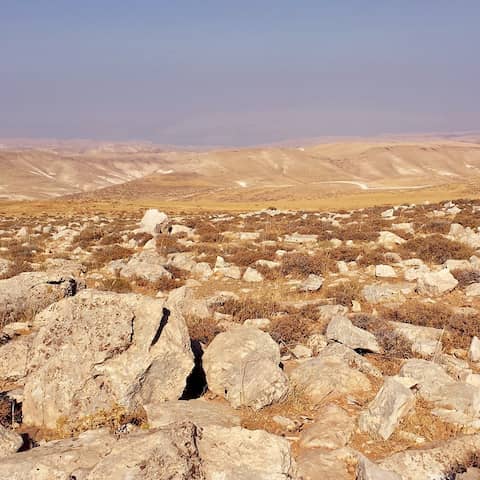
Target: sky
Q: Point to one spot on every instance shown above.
(237, 73)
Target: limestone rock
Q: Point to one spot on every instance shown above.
(10, 442)
(240, 454)
(320, 378)
(242, 365)
(436, 283)
(332, 429)
(100, 348)
(391, 404)
(26, 294)
(342, 330)
(154, 222)
(252, 275)
(312, 283)
(199, 411)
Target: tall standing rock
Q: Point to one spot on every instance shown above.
(100, 349)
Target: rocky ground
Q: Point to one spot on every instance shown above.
(268, 345)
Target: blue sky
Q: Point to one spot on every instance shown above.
(237, 73)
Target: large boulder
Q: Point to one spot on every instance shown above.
(242, 365)
(180, 451)
(154, 222)
(160, 454)
(24, 295)
(100, 349)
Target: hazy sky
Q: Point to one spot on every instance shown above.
(237, 72)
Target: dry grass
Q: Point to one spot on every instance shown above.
(291, 329)
(113, 419)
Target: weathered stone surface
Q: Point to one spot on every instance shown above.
(367, 470)
(252, 275)
(312, 283)
(389, 239)
(240, 454)
(14, 359)
(184, 300)
(318, 464)
(436, 283)
(10, 442)
(425, 340)
(26, 294)
(464, 235)
(385, 271)
(433, 461)
(332, 429)
(342, 330)
(473, 290)
(100, 348)
(146, 264)
(382, 293)
(320, 378)
(159, 454)
(199, 411)
(457, 401)
(391, 404)
(242, 365)
(474, 351)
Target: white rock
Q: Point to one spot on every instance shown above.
(385, 271)
(242, 365)
(436, 283)
(252, 275)
(154, 222)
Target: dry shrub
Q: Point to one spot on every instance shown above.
(101, 256)
(167, 244)
(87, 237)
(373, 256)
(301, 264)
(21, 255)
(345, 253)
(393, 344)
(208, 232)
(435, 249)
(459, 328)
(344, 293)
(467, 218)
(365, 230)
(142, 238)
(466, 277)
(242, 310)
(244, 255)
(116, 284)
(433, 226)
(164, 284)
(289, 330)
(202, 330)
(269, 273)
(113, 419)
(110, 238)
